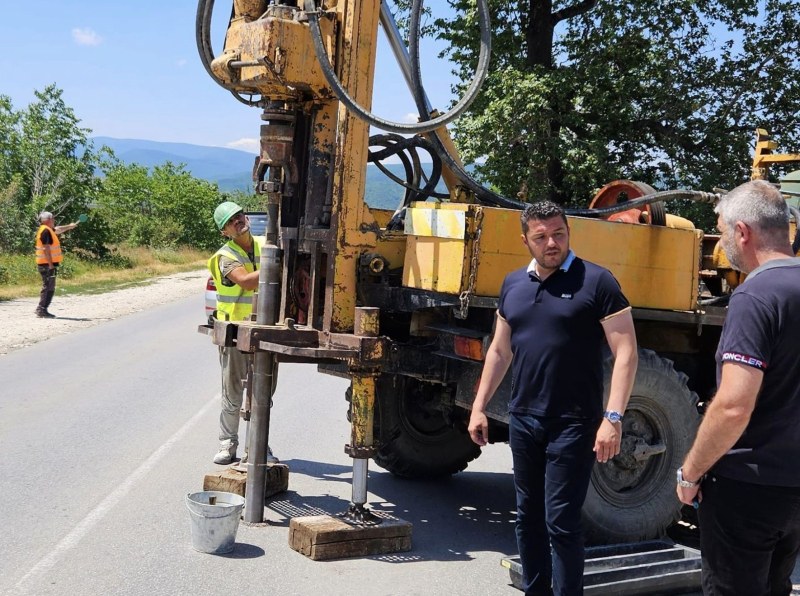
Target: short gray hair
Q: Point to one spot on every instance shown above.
(761, 206)
(45, 215)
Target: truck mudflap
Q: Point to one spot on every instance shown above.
(650, 567)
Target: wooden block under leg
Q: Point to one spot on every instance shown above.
(324, 537)
(234, 481)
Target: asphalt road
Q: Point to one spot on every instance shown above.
(104, 431)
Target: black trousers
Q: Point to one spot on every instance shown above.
(749, 537)
(553, 461)
(48, 286)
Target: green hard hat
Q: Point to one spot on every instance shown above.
(224, 212)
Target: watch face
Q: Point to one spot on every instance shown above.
(613, 416)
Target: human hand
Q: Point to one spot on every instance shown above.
(690, 496)
(478, 428)
(608, 440)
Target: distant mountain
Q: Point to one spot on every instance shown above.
(232, 169)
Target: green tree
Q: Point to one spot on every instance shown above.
(163, 208)
(47, 164)
(582, 92)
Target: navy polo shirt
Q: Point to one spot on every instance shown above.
(762, 330)
(557, 338)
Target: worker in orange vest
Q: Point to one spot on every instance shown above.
(48, 256)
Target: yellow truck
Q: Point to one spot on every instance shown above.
(402, 303)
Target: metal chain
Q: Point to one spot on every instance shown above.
(464, 297)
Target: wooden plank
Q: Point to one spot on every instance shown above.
(234, 481)
(325, 537)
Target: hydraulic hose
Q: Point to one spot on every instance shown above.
(202, 30)
(796, 243)
(397, 127)
(666, 195)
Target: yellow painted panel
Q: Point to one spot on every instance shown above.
(441, 223)
(434, 264)
(657, 267)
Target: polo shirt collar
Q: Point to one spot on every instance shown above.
(564, 266)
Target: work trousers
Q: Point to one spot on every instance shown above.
(749, 537)
(234, 366)
(48, 286)
(553, 461)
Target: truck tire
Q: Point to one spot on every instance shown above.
(416, 439)
(632, 497)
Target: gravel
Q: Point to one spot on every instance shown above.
(21, 327)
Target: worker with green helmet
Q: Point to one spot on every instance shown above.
(234, 268)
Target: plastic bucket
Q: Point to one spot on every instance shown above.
(215, 519)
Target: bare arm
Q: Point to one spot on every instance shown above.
(724, 422)
(621, 338)
(243, 279)
(498, 359)
(65, 228)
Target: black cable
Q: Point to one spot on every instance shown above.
(483, 194)
(420, 127)
(666, 195)
(202, 29)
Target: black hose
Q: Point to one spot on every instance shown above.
(420, 127)
(483, 194)
(202, 31)
(796, 214)
(666, 195)
(398, 145)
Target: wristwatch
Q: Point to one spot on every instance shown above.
(612, 416)
(685, 483)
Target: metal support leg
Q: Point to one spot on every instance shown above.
(361, 446)
(362, 417)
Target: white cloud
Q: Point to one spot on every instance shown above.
(412, 118)
(245, 144)
(181, 63)
(86, 37)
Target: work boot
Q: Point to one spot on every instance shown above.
(227, 451)
(43, 314)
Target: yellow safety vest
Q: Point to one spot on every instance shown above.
(55, 247)
(233, 302)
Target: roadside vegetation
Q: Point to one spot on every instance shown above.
(128, 266)
(140, 222)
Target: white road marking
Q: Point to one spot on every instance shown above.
(112, 500)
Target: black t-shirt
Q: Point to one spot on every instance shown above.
(46, 237)
(762, 330)
(557, 338)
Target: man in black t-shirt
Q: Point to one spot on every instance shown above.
(553, 320)
(744, 466)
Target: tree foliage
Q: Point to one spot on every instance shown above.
(163, 208)
(48, 162)
(582, 92)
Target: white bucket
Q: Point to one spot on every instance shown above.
(215, 519)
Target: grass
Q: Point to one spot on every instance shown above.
(19, 277)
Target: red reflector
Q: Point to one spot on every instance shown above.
(468, 347)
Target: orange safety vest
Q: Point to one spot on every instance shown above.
(55, 247)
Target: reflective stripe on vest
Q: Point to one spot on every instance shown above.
(55, 247)
(233, 302)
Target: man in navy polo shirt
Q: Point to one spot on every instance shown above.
(744, 466)
(553, 320)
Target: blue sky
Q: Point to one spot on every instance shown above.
(131, 70)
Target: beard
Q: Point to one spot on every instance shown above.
(730, 250)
